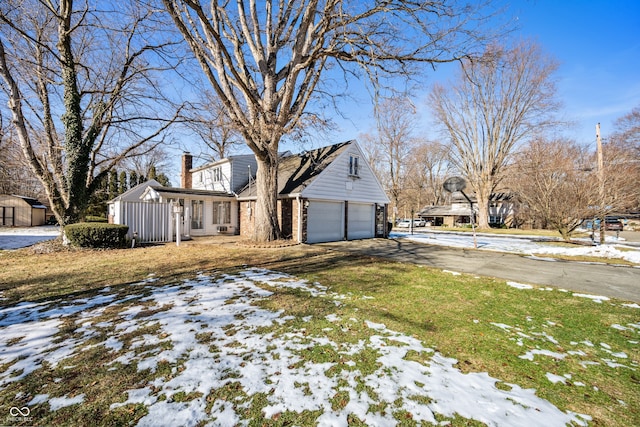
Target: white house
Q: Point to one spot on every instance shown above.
(328, 194)
(204, 212)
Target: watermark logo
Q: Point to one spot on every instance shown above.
(19, 415)
(22, 412)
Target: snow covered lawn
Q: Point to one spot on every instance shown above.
(527, 246)
(207, 351)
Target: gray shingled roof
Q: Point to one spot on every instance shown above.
(297, 171)
(190, 191)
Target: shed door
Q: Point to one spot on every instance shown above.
(7, 216)
(361, 221)
(325, 221)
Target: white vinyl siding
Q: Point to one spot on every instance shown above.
(361, 221)
(325, 221)
(335, 183)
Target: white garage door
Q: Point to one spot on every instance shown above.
(325, 222)
(360, 221)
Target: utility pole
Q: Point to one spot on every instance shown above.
(601, 192)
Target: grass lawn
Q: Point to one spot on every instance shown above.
(131, 330)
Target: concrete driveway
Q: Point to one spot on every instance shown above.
(606, 280)
(21, 237)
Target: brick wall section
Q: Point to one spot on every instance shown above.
(247, 222)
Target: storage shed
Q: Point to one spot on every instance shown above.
(20, 211)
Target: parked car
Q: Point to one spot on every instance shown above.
(404, 223)
(613, 224)
(419, 222)
(610, 224)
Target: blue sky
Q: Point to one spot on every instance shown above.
(597, 44)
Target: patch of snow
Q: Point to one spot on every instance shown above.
(595, 298)
(455, 273)
(37, 399)
(556, 378)
(634, 305)
(62, 402)
(530, 354)
(519, 285)
(502, 326)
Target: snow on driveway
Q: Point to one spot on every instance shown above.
(521, 245)
(223, 309)
(21, 237)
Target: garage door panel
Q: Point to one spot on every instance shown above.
(361, 221)
(325, 221)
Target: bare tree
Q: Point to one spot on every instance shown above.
(390, 147)
(268, 62)
(15, 174)
(620, 175)
(626, 139)
(428, 168)
(628, 129)
(496, 103)
(81, 91)
(208, 118)
(553, 184)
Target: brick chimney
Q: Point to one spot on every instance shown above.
(187, 165)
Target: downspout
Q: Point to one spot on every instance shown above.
(299, 219)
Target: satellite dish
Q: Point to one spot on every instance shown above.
(454, 184)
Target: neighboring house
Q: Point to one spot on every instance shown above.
(20, 211)
(324, 195)
(501, 210)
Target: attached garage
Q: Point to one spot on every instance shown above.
(324, 195)
(361, 220)
(325, 221)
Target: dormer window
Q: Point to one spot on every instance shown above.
(353, 166)
(217, 174)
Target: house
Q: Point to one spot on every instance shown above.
(228, 175)
(149, 211)
(116, 207)
(501, 210)
(20, 211)
(204, 212)
(324, 195)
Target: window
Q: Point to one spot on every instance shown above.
(353, 166)
(222, 212)
(216, 174)
(197, 213)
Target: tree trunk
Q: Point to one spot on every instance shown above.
(266, 226)
(482, 199)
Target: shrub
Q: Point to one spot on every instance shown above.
(95, 218)
(97, 235)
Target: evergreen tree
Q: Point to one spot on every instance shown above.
(133, 179)
(113, 184)
(123, 182)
